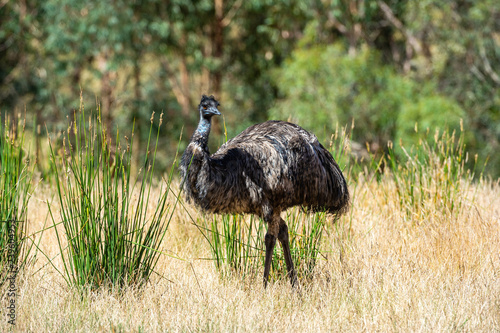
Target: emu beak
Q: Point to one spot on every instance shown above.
(214, 111)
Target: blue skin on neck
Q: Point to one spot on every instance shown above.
(203, 130)
(204, 126)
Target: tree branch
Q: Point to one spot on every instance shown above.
(230, 14)
(389, 15)
(487, 66)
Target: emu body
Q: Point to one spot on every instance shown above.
(264, 170)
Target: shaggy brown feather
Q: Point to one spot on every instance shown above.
(270, 166)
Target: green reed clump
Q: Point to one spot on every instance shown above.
(237, 244)
(432, 174)
(112, 239)
(306, 233)
(16, 176)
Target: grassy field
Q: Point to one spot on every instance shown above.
(381, 269)
(419, 249)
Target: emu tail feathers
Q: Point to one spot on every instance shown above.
(337, 200)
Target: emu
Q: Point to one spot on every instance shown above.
(264, 170)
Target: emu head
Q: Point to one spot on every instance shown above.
(208, 107)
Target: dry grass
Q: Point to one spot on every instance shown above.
(434, 270)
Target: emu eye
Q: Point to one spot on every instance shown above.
(204, 107)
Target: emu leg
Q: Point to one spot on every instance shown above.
(270, 241)
(285, 243)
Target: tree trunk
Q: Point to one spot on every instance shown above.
(106, 94)
(218, 44)
(218, 49)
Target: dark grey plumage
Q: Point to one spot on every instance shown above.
(264, 170)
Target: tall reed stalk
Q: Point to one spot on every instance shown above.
(112, 238)
(16, 176)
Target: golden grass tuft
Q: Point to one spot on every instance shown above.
(382, 270)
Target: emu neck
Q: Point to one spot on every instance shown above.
(202, 132)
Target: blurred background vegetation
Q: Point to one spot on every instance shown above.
(321, 63)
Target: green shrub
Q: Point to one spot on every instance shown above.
(323, 86)
(430, 113)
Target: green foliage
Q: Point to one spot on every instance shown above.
(427, 115)
(16, 176)
(112, 241)
(361, 60)
(324, 85)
